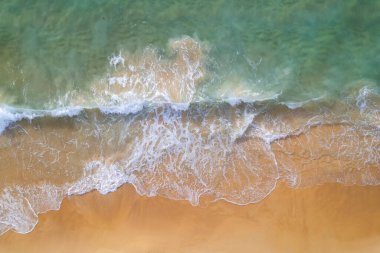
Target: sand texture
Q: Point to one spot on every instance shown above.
(328, 218)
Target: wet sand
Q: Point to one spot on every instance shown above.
(327, 218)
(319, 218)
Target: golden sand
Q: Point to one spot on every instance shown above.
(319, 218)
(327, 218)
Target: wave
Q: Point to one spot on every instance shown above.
(364, 99)
(149, 124)
(231, 151)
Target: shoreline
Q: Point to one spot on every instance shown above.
(328, 218)
(245, 170)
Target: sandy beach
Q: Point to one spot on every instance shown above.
(189, 126)
(327, 218)
(322, 217)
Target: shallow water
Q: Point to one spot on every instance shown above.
(184, 99)
(299, 49)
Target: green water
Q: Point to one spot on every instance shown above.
(299, 49)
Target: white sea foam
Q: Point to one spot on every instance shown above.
(115, 60)
(99, 176)
(6, 118)
(186, 153)
(363, 99)
(9, 115)
(299, 104)
(150, 77)
(123, 109)
(183, 147)
(20, 206)
(201, 147)
(65, 112)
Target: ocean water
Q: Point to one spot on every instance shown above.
(184, 99)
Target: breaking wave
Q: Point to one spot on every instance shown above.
(147, 124)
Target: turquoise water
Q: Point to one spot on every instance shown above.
(299, 49)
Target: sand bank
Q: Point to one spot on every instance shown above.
(328, 218)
